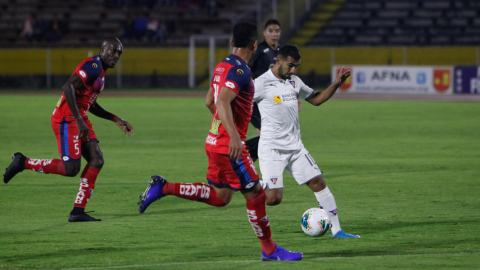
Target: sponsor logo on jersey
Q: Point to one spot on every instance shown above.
(219, 70)
(441, 79)
(211, 140)
(214, 127)
(277, 99)
(230, 85)
(288, 97)
(94, 65)
(240, 72)
(292, 83)
(274, 180)
(334, 211)
(82, 73)
(266, 50)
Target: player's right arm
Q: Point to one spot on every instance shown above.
(225, 114)
(69, 89)
(209, 101)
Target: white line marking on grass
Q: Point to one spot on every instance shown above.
(252, 261)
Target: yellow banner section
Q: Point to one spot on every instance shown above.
(174, 61)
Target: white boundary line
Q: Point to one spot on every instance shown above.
(252, 261)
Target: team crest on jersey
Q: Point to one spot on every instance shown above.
(94, 65)
(277, 99)
(271, 66)
(292, 83)
(240, 72)
(274, 180)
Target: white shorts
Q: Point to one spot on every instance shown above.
(298, 163)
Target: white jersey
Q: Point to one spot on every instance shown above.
(277, 101)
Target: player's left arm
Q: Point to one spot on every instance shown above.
(210, 101)
(320, 97)
(99, 111)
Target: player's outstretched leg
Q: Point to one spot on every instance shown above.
(159, 187)
(17, 165)
(327, 202)
(153, 192)
(342, 234)
(282, 254)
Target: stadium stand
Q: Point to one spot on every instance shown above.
(77, 23)
(391, 23)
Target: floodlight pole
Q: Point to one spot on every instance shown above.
(191, 63)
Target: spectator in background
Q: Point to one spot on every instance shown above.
(28, 27)
(140, 26)
(54, 34)
(212, 8)
(155, 31)
(128, 29)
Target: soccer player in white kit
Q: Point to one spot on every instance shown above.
(277, 92)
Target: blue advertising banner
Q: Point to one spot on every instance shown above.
(466, 80)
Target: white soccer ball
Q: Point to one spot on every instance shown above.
(315, 222)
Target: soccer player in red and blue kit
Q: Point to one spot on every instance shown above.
(230, 167)
(73, 130)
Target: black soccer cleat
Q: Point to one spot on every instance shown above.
(17, 165)
(82, 218)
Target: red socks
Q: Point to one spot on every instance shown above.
(87, 184)
(55, 166)
(259, 220)
(195, 192)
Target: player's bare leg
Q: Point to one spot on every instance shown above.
(274, 196)
(327, 202)
(94, 156)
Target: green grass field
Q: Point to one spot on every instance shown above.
(405, 176)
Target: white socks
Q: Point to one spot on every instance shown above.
(263, 184)
(327, 202)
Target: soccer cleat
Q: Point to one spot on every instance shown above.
(282, 254)
(153, 192)
(342, 234)
(81, 218)
(17, 165)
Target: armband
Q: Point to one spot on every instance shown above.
(112, 117)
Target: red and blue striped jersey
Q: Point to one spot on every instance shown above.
(93, 77)
(234, 74)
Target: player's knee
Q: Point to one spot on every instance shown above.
(71, 170)
(275, 200)
(97, 163)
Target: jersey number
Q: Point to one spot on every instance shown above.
(215, 92)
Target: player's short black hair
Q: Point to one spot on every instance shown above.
(270, 22)
(289, 50)
(244, 34)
